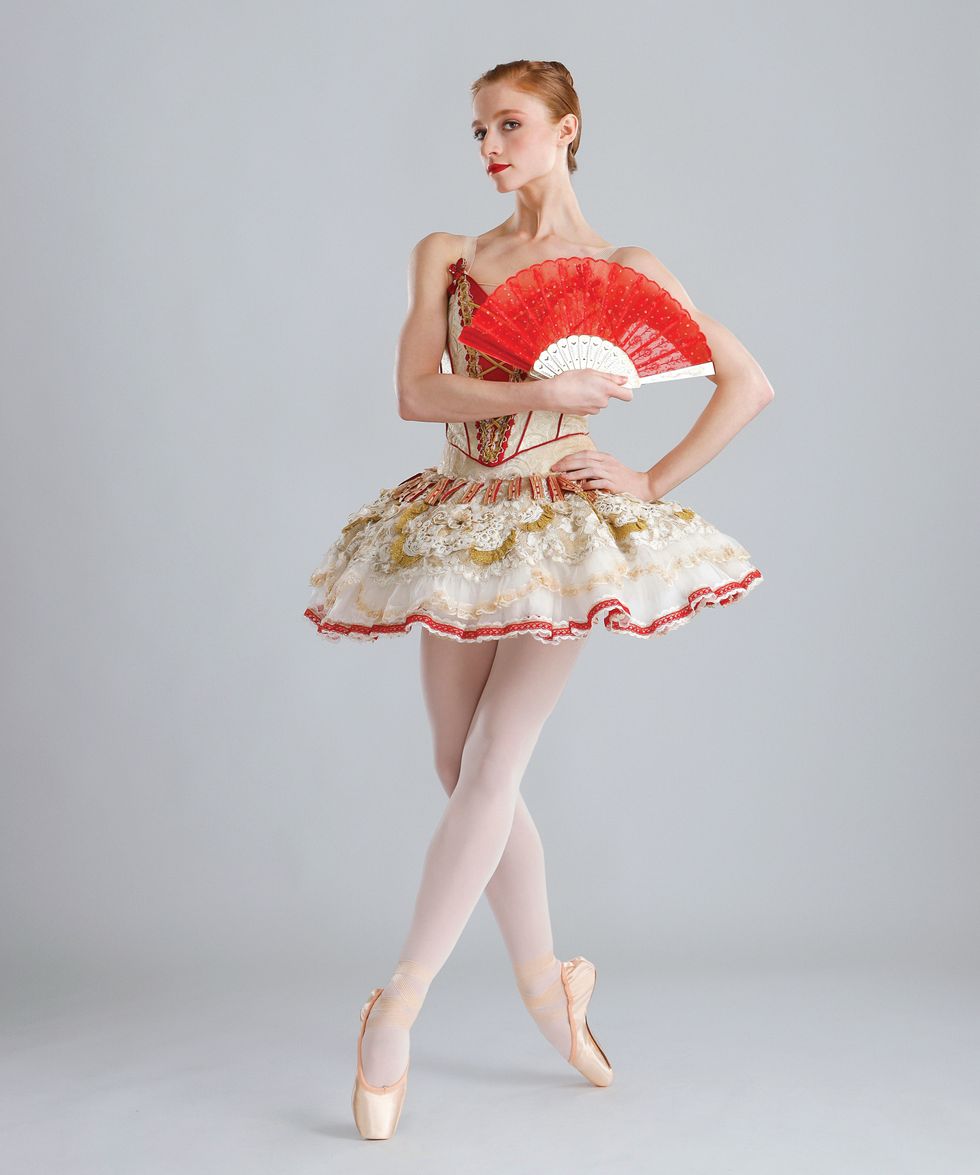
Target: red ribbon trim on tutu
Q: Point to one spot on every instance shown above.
(434, 488)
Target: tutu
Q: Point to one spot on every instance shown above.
(490, 543)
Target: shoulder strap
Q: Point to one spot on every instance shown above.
(469, 249)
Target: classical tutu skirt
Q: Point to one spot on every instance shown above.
(489, 558)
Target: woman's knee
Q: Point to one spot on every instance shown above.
(447, 769)
(493, 765)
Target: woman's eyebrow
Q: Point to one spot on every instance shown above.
(476, 121)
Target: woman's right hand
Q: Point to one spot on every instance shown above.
(582, 392)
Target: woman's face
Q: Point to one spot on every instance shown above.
(516, 128)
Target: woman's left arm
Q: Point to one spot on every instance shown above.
(742, 391)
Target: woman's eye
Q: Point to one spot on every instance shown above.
(478, 133)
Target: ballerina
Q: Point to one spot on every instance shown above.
(506, 554)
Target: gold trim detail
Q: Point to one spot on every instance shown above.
(398, 554)
(356, 522)
(621, 529)
(480, 556)
(545, 518)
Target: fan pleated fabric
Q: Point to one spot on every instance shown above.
(575, 312)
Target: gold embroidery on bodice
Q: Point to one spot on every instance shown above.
(518, 443)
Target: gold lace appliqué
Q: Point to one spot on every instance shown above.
(479, 555)
(398, 554)
(493, 433)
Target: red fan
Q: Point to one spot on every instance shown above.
(575, 312)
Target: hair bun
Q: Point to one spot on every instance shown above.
(563, 70)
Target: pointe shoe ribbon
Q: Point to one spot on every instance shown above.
(377, 1108)
(578, 976)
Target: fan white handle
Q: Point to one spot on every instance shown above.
(579, 351)
(576, 352)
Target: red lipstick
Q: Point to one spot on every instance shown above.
(495, 167)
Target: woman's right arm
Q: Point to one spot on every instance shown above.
(425, 392)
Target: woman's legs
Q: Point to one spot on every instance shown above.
(489, 703)
(453, 678)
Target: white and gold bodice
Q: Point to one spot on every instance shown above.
(501, 446)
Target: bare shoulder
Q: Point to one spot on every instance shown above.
(643, 261)
(438, 249)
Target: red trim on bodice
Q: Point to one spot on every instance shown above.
(494, 433)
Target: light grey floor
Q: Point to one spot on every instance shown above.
(837, 1072)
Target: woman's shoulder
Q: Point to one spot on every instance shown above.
(441, 246)
(645, 262)
(432, 265)
(635, 256)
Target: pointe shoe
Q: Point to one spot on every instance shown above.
(377, 1108)
(578, 977)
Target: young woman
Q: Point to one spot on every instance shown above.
(524, 530)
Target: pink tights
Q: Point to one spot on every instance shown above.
(487, 703)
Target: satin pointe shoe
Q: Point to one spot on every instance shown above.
(377, 1108)
(578, 977)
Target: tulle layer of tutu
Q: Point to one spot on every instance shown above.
(549, 565)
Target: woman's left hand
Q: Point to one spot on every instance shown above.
(596, 470)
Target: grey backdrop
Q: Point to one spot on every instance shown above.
(208, 211)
